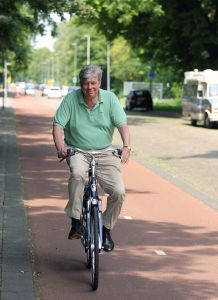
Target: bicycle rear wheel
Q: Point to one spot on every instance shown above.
(94, 248)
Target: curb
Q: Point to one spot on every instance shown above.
(187, 188)
(16, 268)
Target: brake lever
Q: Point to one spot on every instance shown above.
(70, 152)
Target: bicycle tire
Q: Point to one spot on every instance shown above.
(88, 258)
(85, 243)
(94, 248)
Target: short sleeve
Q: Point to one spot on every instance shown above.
(118, 114)
(63, 113)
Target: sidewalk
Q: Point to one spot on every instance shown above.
(16, 272)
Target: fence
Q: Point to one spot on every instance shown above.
(156, 88)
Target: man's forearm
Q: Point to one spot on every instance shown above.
(125, 135)
(58, 137)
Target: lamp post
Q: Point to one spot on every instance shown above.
(44, 72)
(6, 64)
(75, 63)
(57, 71)
(151, 76)
(88, 48)
(52, 71)
(108, 67)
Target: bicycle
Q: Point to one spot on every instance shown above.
(91, 217)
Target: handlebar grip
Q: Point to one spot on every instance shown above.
(70, 152)
(117, 152)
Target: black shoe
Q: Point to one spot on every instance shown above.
(108, 243)
(75, 231)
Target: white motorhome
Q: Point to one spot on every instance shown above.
(200, 97)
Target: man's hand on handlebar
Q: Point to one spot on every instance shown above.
(125, 155)
(62, 152)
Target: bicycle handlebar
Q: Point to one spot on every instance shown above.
(72, 151)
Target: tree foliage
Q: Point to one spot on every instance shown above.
(169, 36)
(125, 64)
(20, 19)
(173, 33)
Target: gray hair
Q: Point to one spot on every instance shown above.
(90, 70)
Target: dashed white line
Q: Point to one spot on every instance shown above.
(128, 217)
(160, 252)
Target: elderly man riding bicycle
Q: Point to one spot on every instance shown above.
(86, 119)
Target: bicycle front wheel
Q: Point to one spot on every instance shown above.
(94, 248)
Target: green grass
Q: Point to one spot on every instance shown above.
(172, 105)
(168, 105)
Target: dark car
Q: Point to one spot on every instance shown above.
(139, 99)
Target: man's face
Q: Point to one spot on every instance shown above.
(90, 87)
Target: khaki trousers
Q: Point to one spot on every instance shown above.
(110, 179)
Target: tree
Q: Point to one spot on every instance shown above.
(39, 67)
(125, 64)
(21, 19)
(173, 33)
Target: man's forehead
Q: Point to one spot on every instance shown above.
(91, 78)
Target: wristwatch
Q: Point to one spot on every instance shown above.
(127, 146)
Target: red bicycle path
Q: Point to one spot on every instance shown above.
(157, 218)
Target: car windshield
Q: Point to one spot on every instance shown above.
(214, 89)
(139, 93)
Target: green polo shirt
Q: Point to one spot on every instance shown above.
(87, 128)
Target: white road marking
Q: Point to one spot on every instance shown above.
(160, 252)
(128, 217)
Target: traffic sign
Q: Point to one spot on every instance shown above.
(151, 74)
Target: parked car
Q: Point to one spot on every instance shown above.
(64, 90)
(54, 92)
(30, 90)
(139, 99)
(45, 90)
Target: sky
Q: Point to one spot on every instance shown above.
(47, 40)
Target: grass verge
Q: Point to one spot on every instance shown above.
(173, 105)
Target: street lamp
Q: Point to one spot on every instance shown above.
(44, 72)
(75, 62)
(88, 48)
(108, 67)
(6, 64)
(57, 71)
(52, 70)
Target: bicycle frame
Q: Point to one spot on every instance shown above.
(91, 199)
(91, 217)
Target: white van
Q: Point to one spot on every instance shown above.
(200, 97)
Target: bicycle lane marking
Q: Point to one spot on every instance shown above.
(163, 218)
